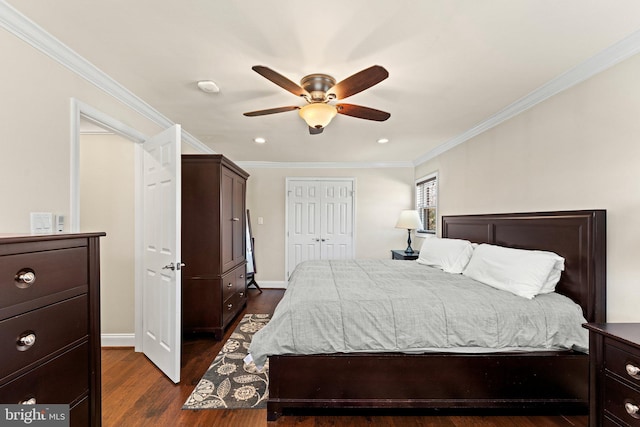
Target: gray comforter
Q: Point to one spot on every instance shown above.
(343, 306)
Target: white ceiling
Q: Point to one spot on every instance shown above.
(452, 63)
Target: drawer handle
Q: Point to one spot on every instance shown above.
(25, 278)
(31, 401)
(235, 219)
(242, 276)
(631, 409)
(230, 285)
(241, 294)
(229, 306)
(26, 341)
(633, 371)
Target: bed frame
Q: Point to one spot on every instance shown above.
(540, 381)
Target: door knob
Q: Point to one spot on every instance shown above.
(172, 266)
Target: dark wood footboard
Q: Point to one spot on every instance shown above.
(549, 380)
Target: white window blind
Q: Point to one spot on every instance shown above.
(427, 202)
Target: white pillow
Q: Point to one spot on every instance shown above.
(554, 277)
(450, 255)
(522, 272)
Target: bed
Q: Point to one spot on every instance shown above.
(550, 381)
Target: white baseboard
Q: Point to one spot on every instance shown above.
(118, 340)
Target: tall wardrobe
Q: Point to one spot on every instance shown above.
(214, 288)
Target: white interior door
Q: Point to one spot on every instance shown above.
(319, 220)
(161, 326)
(336, 220)
(303, 228)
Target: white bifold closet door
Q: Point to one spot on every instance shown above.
(319, 220)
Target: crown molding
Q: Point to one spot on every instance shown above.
(22, 27)
(323, 165)
(614, 54)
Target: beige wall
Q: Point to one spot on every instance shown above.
(381, 194)
(577, 150)
(36, 94)
(107, 204)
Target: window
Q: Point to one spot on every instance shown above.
(427, 202)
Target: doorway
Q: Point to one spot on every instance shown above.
(107, 200)
(82, 116)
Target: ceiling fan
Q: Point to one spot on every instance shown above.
(320, 89)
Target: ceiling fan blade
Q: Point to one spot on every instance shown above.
(280, 80)
(315, 131)
(359, 82)
(362, 112)
(270, 111)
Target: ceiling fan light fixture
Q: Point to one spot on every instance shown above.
(318, 115)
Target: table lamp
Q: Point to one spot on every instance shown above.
(409, 219)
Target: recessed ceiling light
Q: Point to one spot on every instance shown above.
(259, 140)
(383, 140)
(208, 86)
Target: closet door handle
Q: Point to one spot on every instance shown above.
(235, 219)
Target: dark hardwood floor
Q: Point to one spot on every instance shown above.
(136, 393)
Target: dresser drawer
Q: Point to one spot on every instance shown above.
(233, 282)
(61, 380)
(232, 305)
(52, 327)
(27, 277)
(80, 414)
(609, 422)
(623, 363)
(619, 398)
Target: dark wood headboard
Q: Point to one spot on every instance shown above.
(578, 236)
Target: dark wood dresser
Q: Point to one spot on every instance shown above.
(614, 354)
(50, 322)
(214, 288)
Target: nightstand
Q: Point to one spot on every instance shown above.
(614, 365)
(402, 255)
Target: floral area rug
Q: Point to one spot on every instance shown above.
(229, 383)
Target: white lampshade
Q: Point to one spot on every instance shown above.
(409, 220)
(318, 114)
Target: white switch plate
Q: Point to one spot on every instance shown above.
(260, 220)
(41, 223)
